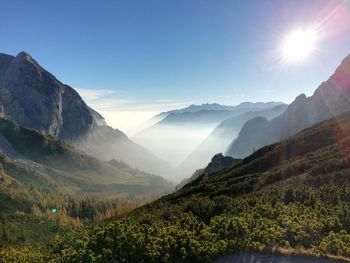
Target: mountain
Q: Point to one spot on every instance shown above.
(179, 132)
(291, 197)
(222, 136)
(330, 98)
(99, 119)
(34, 98)
(211, 113)
(195, 108)
(217, 163)
(219, 107)
(49, 161)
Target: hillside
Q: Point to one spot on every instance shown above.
(329, 99)
(70, 170)
(106, 143)
(291, 196)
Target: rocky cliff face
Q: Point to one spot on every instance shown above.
(331, 98)
(34, 98)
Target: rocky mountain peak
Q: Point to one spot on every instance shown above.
(34, 98)
(23, 63)
(24, 55)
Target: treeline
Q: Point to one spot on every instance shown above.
(199, 229)
(27, 215)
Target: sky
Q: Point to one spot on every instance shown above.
(132, 59)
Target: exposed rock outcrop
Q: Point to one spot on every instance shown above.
(331, 98)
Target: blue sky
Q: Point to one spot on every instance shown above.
(130, 59)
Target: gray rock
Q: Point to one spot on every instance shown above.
(330, 99)
(34, 98)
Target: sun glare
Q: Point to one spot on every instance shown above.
(299, 45)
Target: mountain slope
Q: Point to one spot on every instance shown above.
(34, 98)
(66, 168)
(222, 136)
(289, 197)
(106, 143)
(330, 98)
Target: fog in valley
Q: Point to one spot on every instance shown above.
(188, 138)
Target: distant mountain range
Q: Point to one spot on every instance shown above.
(331, 98)
(211, 113)
(177, 133)
(219, 107)
(34, 98)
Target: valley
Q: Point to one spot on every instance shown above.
(227, 206)
(189, 131)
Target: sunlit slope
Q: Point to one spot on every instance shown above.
(292, 196)
(320, 150)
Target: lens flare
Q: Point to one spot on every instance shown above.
(299, 45)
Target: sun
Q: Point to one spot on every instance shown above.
(299, 45)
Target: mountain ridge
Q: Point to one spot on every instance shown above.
(329, 99)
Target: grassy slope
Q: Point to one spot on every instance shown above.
(294, 195)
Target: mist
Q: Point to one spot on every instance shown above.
(173, 143)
